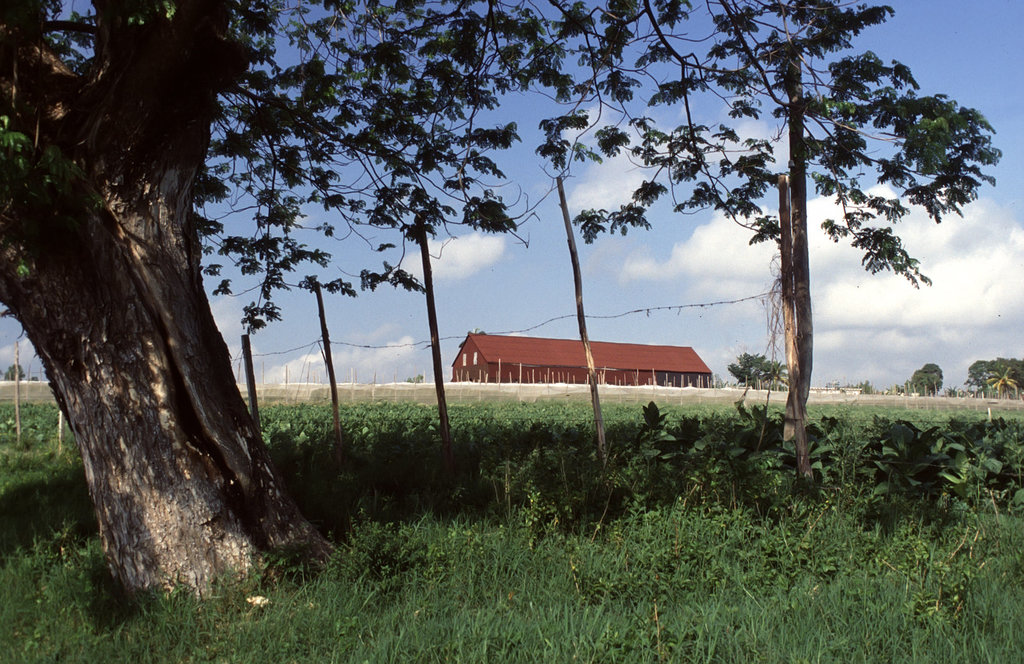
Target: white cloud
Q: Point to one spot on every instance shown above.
(460, 257)
(387, 362)
(876, 327)
(227, 312)
(717, 260)
(971, 263)
(604, 186)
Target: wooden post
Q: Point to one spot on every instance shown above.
(339, 441)
(17, 393)
(60, 431)
(435, 351)
(250, 384)
(582, 320)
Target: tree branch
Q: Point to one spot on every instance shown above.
(70, 26)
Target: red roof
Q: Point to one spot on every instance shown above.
(533, 351)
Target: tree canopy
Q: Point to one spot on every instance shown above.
(377, 113)
(927, 379)
(144, 143)
(14, 372)
(851, 123)
(133, 131)
(981, 372)
(863, 121)
(756, 370)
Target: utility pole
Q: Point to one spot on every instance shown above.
(595, 398)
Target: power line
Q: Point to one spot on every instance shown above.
(678, 308)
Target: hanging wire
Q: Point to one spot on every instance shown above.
(647, 310)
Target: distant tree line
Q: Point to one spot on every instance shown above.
(927, 380)
(758, 371)
(999, 377)
(17, 372)
(1002, 376)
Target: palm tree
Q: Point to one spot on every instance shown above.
(775, 374)
(1003, 383)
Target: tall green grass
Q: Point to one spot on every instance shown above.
(493, 568)
(679, 584)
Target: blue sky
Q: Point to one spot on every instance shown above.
(867, 327)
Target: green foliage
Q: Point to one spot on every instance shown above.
(14, 372)
(927, 379)
(42, 487)
(388, 122)
(40, 182)
(866, 387)
(380, 114)
(981, 372)
(758, 371)
(753, 58)
(681, 582)
(537, 461)
(1002, 376)
(692, 547)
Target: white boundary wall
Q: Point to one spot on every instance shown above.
(35, 391)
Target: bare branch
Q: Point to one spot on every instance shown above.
(70, 26)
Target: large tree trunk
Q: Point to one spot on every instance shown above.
(115, 306)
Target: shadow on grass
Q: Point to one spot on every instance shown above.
(49, 542)
(44, 503)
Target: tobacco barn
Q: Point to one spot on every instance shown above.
(490, 358)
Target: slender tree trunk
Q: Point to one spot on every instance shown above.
(581, 318)
(106, 280)
(435, 352)
(788, 310)
(250, 385)
(339, 441)
(796, 276)
(17, 393)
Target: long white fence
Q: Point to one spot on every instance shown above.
(423, 393)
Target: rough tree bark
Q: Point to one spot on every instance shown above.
(114, 303)
(796, 284)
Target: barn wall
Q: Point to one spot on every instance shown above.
(516, 373)
(469, 364)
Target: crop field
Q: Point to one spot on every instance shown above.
(695, 544)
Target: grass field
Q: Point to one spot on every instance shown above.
(695, 546)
